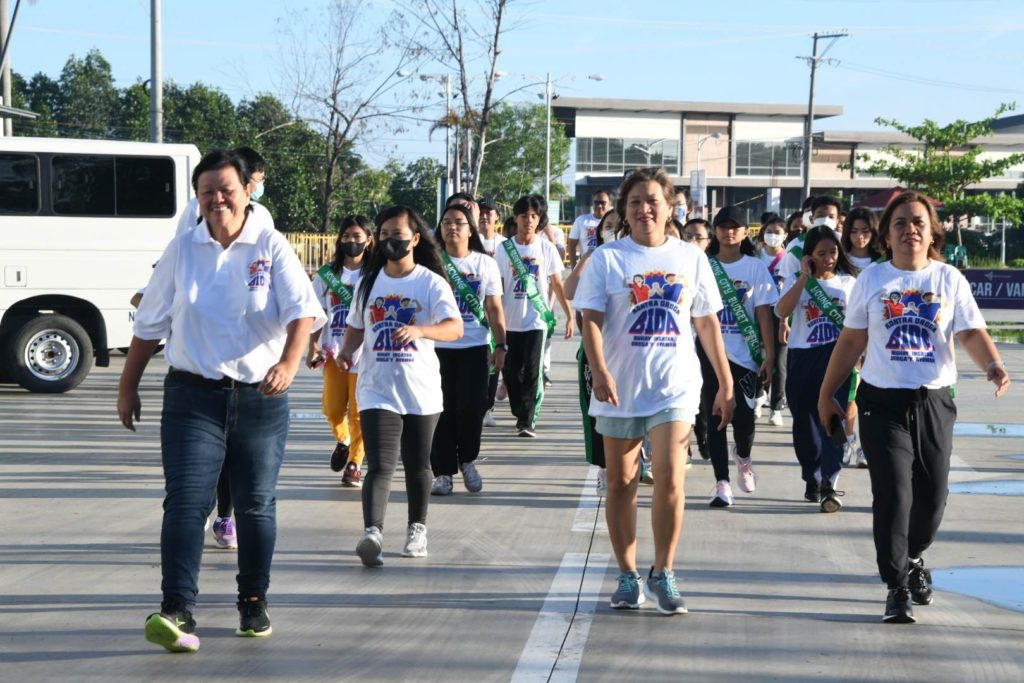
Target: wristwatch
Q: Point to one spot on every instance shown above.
(503, 347)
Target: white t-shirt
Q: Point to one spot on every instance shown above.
(790, 263)
(811, 327)
(333, 333)
(405, 380)
(755, 287)
(224, 312)
(584, 229)
(648, 296)
(861, 262)
(481, 271)
(911, 318)
(541, 258)
(770, 262)
(492, 245)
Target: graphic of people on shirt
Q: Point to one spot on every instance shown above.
(820, 328)
(725, 316)
(473, 280)
(377, 310)
(640, 291)
(407, 310)
(654, 299)
(911, 317)
(533, 267)
(339, 313)
(387, 314)
(259, 274)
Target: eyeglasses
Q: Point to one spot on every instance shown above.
(597, 203)
(691, 237)
(458, 225)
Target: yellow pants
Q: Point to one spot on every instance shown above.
(339, 401)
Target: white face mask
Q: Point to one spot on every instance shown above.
(825, 220)
(607, 236)
(774, 239)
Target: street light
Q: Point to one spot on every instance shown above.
(647, 150)
(446, 80)
(547, 142)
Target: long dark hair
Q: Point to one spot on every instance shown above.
(346, 223)
(475, 243)
(868, 216)
(425, 253)
(823, 233)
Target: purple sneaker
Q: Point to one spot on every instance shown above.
(224, 533)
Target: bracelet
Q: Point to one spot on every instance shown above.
(995, 364)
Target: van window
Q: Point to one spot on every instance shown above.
(19, 183)
(94, 185)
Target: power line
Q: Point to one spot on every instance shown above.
(922, 80)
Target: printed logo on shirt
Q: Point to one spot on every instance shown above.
(911, 318)
(387, 314)
(259, 274)
(821, 330)
(474, 284)
(725, 317)
(592, 238)
(654, 299)
(533, 266)
(339, 314)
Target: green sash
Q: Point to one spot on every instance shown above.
(465, 292)
(332, 280)
(529, 286)
(820, 297)
(739, 311)
(798, 248)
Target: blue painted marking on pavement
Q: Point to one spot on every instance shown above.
(994, 488)
(999, 586)
(306, 416)
(987, 429)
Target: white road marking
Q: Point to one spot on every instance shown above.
(590, 507)
(556, 643)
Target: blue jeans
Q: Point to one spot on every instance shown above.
(200, 427)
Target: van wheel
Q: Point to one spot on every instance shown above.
(50, 354)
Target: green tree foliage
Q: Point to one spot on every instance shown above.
(366, 192)
(416, 185)
(948, 163)
(87, 100)
(514, 164)
(199, 115)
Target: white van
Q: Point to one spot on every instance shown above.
(81, 224)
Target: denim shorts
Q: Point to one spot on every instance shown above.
(638, 427)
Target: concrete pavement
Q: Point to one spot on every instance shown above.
(518, 577)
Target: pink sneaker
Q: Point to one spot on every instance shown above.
(224, 533)
(745, 469)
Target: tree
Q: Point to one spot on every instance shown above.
(516, 156)
(458, 42)
(132, 117)
(367, 191)
(948, 164)
(200, 115)
(339, 84)
(415, 186)
(87, 99)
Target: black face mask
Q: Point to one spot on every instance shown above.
(352, 249)
(394, 249)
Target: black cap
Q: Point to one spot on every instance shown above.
(729, 214)
(487, 203)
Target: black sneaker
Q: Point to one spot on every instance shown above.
(830, 498)
(897, 607)
(173, 628)
(920, 580)
(811, 494)
(254, 622)
(339, 457)
(704, 448)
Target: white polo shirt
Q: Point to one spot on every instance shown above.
(190, 217)
(224, 312)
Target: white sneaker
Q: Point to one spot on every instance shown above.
(489, 420)
(502, 392)
(471, 478)
(370, 547)
(723, 495)
(759, 402)
(745, 469)
(415, 541)
(848, 453)
(862, 460)
(602, 481)
(775, 419)
(443, 486)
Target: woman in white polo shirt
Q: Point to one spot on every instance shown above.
(236, 308)
(401, 307)
(906, 313)
(638, 296)
(466, 363)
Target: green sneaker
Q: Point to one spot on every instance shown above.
(173, 628)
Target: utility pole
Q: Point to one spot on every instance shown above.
(547, 142)
(447, 136)
(6, 30)
(813, 62)
(156, 78)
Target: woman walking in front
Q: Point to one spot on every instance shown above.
(402, 306)
(906, 314)
(646, 377)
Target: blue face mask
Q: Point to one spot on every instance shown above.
(681, 213)
(257, 192)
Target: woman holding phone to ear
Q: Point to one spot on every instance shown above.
(906, 313)
(816, 298)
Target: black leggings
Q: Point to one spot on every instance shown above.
(742, 417)
(386, 437)
(464, 386)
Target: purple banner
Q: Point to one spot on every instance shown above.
(997, 288)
